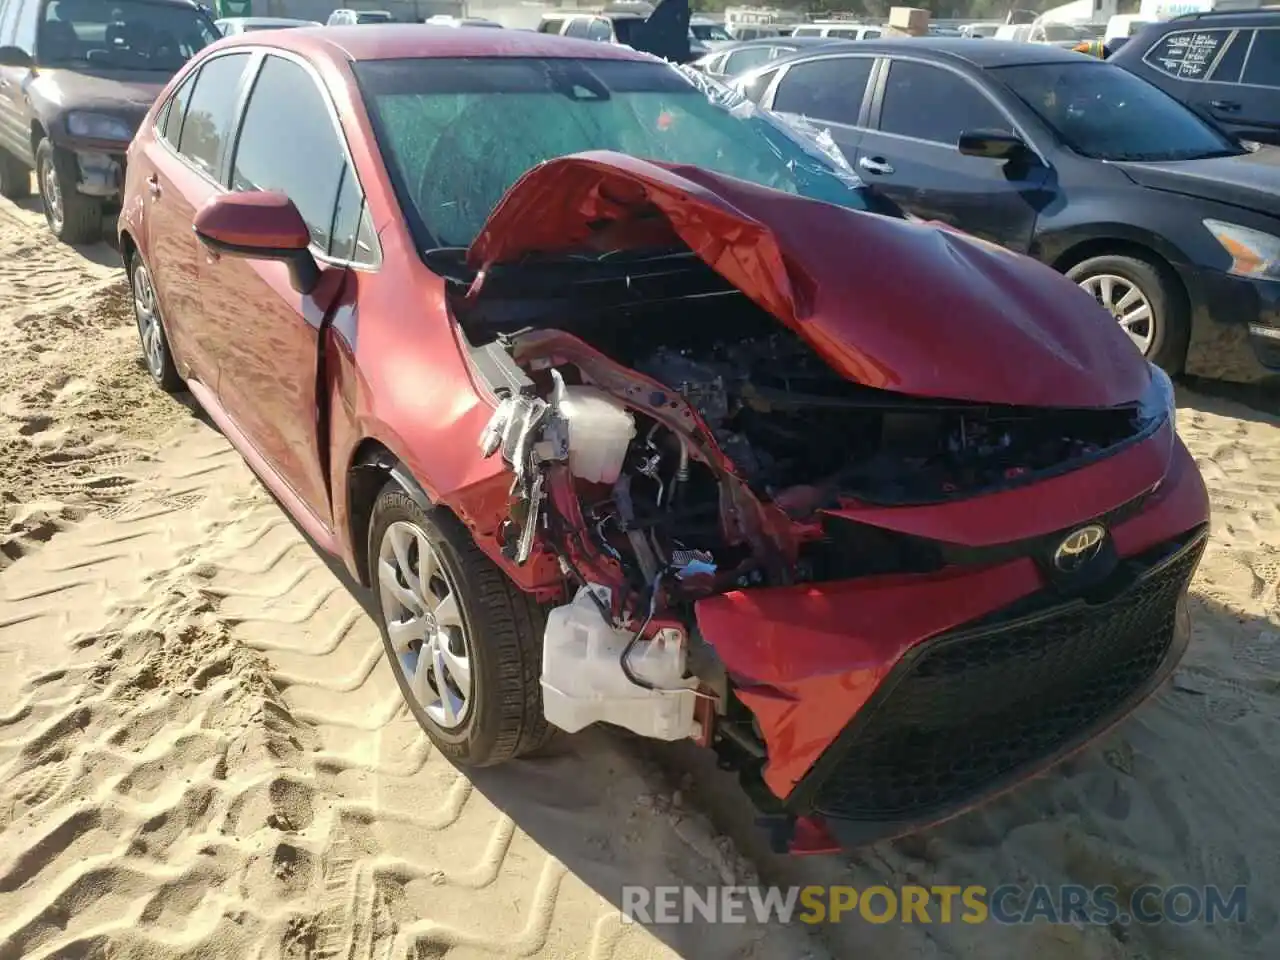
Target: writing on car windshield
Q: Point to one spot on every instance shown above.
(458, 133)
(121, 34)
(1107, 113)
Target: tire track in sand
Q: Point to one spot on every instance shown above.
(75, 412)
(206, 755)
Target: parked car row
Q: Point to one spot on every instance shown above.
(610, 389)
(1171, 223)
(1039, 150)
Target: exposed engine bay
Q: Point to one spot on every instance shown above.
(670, 450)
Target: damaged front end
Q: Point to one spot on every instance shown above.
(759, 491)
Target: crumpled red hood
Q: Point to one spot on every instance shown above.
(914, 308)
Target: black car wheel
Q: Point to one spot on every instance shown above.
(463, 642)
(15, 177)
(73, 217)
(151, 334)
(1144, 299)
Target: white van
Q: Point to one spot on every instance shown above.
(1125, 25)
(838, 30)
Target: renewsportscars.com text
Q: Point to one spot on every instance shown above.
(1005, 904)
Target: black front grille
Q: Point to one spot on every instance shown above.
(969, 708)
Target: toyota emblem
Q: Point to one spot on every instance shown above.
(1079, 547)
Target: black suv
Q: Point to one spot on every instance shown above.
(1224, 65)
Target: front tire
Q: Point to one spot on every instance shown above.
(1143, 297)
(463, 642)
(15, 177)
(72, 217)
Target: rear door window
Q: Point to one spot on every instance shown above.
(929, 103)
(550, 26)
(1262, 69)
(288, 142)
(206, 128)
(830, 89)
(579, 27)
(1187, 54)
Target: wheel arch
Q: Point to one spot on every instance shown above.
(1111, 246)
(128, 246)
(372, 464)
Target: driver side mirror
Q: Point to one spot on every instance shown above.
(260, 225)
(993, 145)
(16, 57)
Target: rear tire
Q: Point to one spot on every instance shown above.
(15, 177)
(151, 333)
(72, 217)
(1114, 276)
(501, 636)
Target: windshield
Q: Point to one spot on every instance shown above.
(709, 31)
(458, 133)
(1107, 113)
(121, 35)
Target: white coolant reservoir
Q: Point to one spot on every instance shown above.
(600, 428)
(583, 681)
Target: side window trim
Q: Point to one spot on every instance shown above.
(233, 144)
(882, 82)
(868, 95)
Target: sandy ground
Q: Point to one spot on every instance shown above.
(202, 753)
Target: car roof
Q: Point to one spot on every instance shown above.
(409, 41)
(1214, 16)
(262, 20)
(805, 42)
(978, 53)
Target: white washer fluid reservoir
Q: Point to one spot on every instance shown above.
(583, 681)
(600, 428)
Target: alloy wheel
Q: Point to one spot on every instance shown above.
(148, 319)
(1128, 306)
(424, 624)
(51, 192)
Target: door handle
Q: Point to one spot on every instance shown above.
(1226, 106)
(153, 184)
(876, 165)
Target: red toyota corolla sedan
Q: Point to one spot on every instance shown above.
(632, 405)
